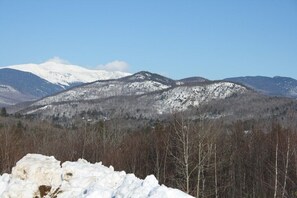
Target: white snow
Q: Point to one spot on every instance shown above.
(5, 89)
(78, 179)
(10, 96)
(157, 98)
(293, 91)
(66, 74)
(182, 97)
(98, 90)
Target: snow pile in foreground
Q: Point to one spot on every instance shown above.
(36, 175)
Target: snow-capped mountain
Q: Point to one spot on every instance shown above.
(66, 75)
(40, 176)
(143, 95)
(137, 84)
(276, 86)
(29, 82)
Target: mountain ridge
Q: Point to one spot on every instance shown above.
(273, 86)
(141, 95)
(18, 86)
(28, 82)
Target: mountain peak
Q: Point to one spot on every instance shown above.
(193, 80)
(64, 74)
(148, 76)
(143, 75)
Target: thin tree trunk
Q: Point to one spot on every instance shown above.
(199, 171)
(157, 165)
(276, 168)
(286, 170)
(165, 162)
(216, 175)
(84, 142)
(186, 159)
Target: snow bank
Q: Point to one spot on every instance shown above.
(42, 176)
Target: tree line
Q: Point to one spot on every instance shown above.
(205, 158)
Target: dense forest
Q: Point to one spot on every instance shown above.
(209, 158)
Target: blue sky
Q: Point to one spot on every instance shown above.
(176, 38)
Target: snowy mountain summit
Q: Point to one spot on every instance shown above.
(64, 74)
(42, 176)
(34, 81)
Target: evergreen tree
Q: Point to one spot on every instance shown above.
(3, 112)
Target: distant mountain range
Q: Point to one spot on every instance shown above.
(276, 86)
(143, 95)
(147, 97)
(27, 82)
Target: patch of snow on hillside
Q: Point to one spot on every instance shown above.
(293, 91)
(11, 96)
(4, 89)
(35, 175)
(147, 86)
(39, 109)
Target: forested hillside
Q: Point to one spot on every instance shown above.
(210, 158)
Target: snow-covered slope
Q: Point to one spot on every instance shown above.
(41, 176)
(137, 84)
(10, 96)
(66, 74)
(142, 95)
(182, 97)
